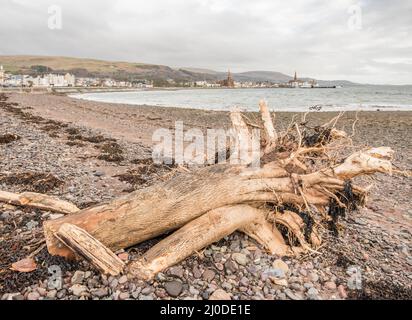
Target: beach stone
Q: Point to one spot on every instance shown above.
(244, 281)
(208, 275)
(342, 292)
(147, 290)
(279, 282)
(61, 294)
(136, 293)
(41, 291)
(330, 285)
(197, 273)
(280, 264)
(146, 297)
(291, 295)
(308, 285)
(231, 267)
(303, 272)
(176, 271)
(240, 258)
(296, 286)
(173, 288)
(227, 286)
(313, 277)
(220, 294)
(219, 266)
(114, 283)
(123, 279)
(18, 297)
(312, 291)
(100, 292)
(78, 290)
(4, 216)
(273, 273)
(32, 224)
(51, 294)
(33, 296)
(124, 296)
(78, 277)
(281, 296)
(193, 291)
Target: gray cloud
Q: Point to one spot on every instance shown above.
(311, 36)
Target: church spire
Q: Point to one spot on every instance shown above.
(296, 76)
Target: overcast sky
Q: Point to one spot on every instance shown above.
(320, 39)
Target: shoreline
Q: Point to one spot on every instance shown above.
(330, 107)
(136, 123)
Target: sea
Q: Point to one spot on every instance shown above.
(351, 98)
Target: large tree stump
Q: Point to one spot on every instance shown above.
(210, 203)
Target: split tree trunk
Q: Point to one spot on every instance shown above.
(203, 231)
(145, 214)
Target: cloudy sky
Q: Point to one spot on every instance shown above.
(367, 41)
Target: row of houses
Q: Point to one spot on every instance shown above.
(67, 80)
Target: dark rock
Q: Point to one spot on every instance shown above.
(231, 267)
(197, 273)
(208, 275)
(173, 288)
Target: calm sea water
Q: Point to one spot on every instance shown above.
(388, 98)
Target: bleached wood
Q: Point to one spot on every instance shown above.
(39, 201)
(82, 243)
(267, 121)
(202, 232)
(167, 206)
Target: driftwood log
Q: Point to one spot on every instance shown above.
(38, 201)
(207, 204)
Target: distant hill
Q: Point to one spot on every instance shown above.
(90, 67)
(133, 71)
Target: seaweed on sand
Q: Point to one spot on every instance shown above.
(111, 152)
(319, 136)
(350, 201)
(8, 138)
(32, 181)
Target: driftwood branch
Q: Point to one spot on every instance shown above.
(82, 243)
(39, 201)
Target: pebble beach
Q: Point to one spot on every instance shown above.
(90, 152)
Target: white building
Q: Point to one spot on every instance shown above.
(50, 80)
(2, 76)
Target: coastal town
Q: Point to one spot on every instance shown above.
(56, 80)
(50, 80)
